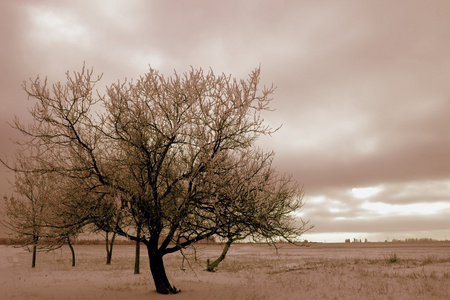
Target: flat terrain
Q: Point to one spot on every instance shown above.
(250, 271)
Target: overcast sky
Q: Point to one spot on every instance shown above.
(363, 90)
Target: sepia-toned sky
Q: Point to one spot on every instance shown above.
(363, 90)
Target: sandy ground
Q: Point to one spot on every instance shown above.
(320, 271)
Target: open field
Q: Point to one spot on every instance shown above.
(320, 271)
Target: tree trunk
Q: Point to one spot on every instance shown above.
(108, 260)
(109, 247)
(33, 260)
(210, 266)
(162, 283)
(137, 257)
(71, 250)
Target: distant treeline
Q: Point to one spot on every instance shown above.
(18, 242)
(415, 240)
(408, 240)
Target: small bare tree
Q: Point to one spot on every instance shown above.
(104, 223)
(26, 211)
(255, 202)
(30, 214)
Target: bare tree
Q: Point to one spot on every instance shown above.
(68, 213)
(255, 202)
(30, 214)
(110, 237)
(104, 223)
(25, 212)
(153, 141)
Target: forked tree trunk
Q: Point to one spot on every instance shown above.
(162, 283)
(211, 266)
(137, 256)
(109, 247)
(71, 250)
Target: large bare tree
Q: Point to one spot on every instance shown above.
(154, 143)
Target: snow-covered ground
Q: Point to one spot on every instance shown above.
(320, 271)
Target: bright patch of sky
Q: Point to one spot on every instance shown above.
(406, 209)
(55, 26)
(365, 192)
